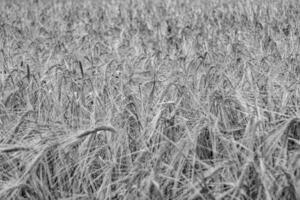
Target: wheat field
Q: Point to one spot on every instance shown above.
(150, 100)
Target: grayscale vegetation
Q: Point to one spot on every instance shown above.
(149, 99)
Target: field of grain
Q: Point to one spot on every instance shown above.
(150, 100)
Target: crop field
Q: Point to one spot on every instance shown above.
(150, 100)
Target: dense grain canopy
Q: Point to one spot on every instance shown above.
(149, 99)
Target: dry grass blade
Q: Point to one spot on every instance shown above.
(14, 148)
(28, 72)
(81, 69)
(95, 130)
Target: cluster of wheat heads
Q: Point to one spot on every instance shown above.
(142, 99)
